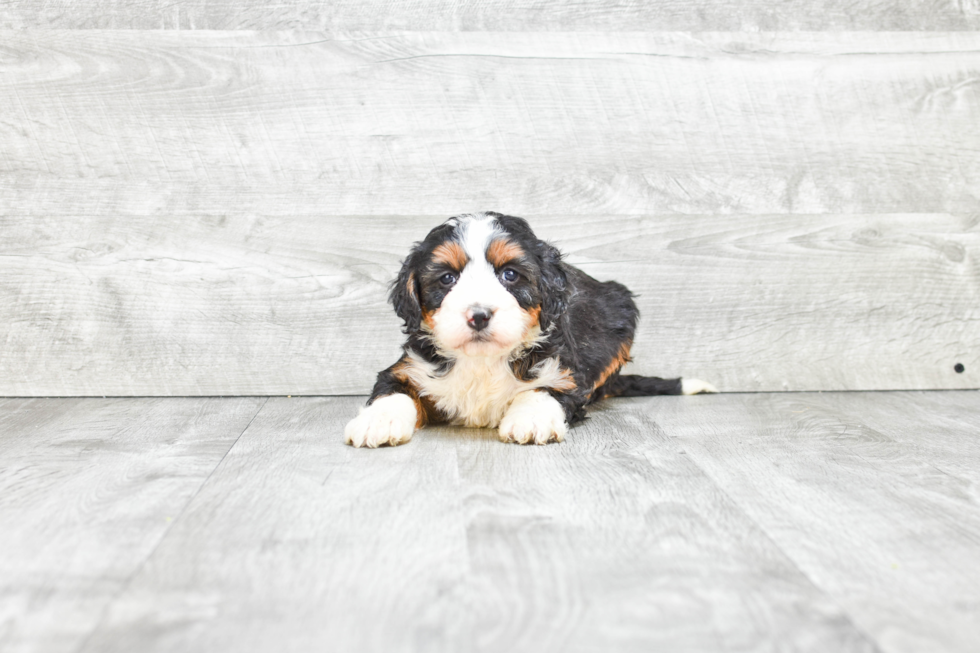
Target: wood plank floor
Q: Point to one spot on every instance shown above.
(739, 522)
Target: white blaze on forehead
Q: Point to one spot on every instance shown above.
(477, 232)
(478, 283)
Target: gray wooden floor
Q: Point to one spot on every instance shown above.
(748, 522)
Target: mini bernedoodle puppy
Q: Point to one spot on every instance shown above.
(502, 334)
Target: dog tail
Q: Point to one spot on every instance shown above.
(632, 385)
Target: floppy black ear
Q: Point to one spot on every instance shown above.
(554, 291)
(405, 292)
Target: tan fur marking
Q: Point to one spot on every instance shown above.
(501, 252)
(398, 370)
(614, 366)
(566, 382)
(410, 286)
(423, 406)
(429, 317)
(452, 254)
(535, 314)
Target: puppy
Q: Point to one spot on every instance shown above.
(502, 334)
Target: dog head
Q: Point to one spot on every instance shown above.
(480, 285)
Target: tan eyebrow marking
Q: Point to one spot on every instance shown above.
(502, 251)
(452, 254)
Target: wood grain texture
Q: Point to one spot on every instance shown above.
(618, 542)
(298, 541)
(938, 429)
(131, 122)
(219, 212)
(88, 488)
(872, 496)
(770, 522)
(496, 15)
(251, 304)
(457, 542)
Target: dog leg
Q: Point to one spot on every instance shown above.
(389, 420)
(534, 417)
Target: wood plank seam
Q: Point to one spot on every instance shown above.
(125, 585)
(786, 554)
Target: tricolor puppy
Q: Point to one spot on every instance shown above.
(502, 334)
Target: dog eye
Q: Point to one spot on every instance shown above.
(510, 276)
(447, 279)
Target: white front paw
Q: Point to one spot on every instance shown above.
(389, 420)
(533, 417)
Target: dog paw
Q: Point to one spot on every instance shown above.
(696, 387)
(533, 418)
(389, 420)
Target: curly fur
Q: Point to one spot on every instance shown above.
(492, 313)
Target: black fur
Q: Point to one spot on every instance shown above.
(405, 292)
(631, 385)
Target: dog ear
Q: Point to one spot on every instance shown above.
(554, 291)
(405, 292)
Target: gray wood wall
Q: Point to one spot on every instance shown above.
(218, 210)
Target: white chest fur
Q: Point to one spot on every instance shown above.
(477, 391)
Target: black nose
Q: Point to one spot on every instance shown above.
(479, 319)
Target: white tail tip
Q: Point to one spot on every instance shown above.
(696, 387)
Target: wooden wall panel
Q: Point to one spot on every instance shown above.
(500, 15)
(204, 305)
(437, 123)
(220, 212)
